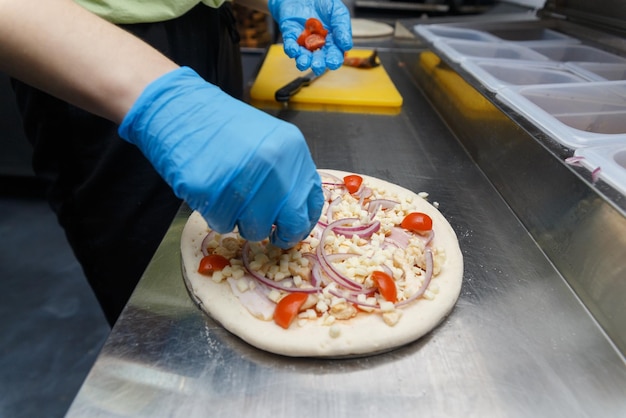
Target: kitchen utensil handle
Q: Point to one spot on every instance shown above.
(284, 93)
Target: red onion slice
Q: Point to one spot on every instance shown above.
(575, 160)
(316, 276)
(333, 177)
(205, 243)
(329, 270)
(379, 204)
(352, 298)
(325, 262)
(428, 254)
(363, 193)
(245, 256)
(361, 231)
(427, 237)
(595, 174)
(330, 211)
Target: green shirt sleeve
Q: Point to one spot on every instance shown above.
(142, 11)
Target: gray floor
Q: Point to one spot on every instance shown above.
(51, 325)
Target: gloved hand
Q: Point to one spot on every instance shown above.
(234, 164)
(291, 16)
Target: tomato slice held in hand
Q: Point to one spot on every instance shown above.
(386, 286)
(288, 307)
(314, 25)
(353, 182)
(417, 222)
(211, 263)
(313, 36)
(302, 38)
(314, 42)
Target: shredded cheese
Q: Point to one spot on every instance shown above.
(404, 262)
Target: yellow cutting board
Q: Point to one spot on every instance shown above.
(349, 89)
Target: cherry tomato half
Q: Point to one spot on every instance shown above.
(313, 36)
(417, 222)
(302, 38)
(314, 25)
(386, 286)
(288, 307)
(314, 42)
(353, 182)
(211, 263)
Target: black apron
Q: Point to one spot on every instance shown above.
(113, 206)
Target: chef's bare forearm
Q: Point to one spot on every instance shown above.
(61, 48)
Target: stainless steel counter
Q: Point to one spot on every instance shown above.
(518, 343)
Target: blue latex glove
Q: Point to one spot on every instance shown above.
(234, 164)
(334, 15)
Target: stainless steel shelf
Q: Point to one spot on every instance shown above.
(578, 222)
(519, 342)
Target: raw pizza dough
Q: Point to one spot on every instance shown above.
(365, 28)
(361, 335)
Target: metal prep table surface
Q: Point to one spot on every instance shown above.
(518, 343)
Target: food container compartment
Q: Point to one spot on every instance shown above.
(575, 115)
(512, 33)
(600, 71)
(435, 32)
(495, 75)
(531, 35)
(576, 53)
(459, 51)
(611, 162)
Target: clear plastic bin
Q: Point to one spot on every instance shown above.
(435, 32)
(576, 115)
(531, 35)
(576, 53)
(459, 51)
(600, 71)
(496, 75)
(611, 161)
(512, 33)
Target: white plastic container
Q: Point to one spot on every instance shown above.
(437, 32)
(575, 93)
(496, 75)
(577, 53)
(600, 70)
(512, 33)
(532, 35)
(459, 51)
(575, 115)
